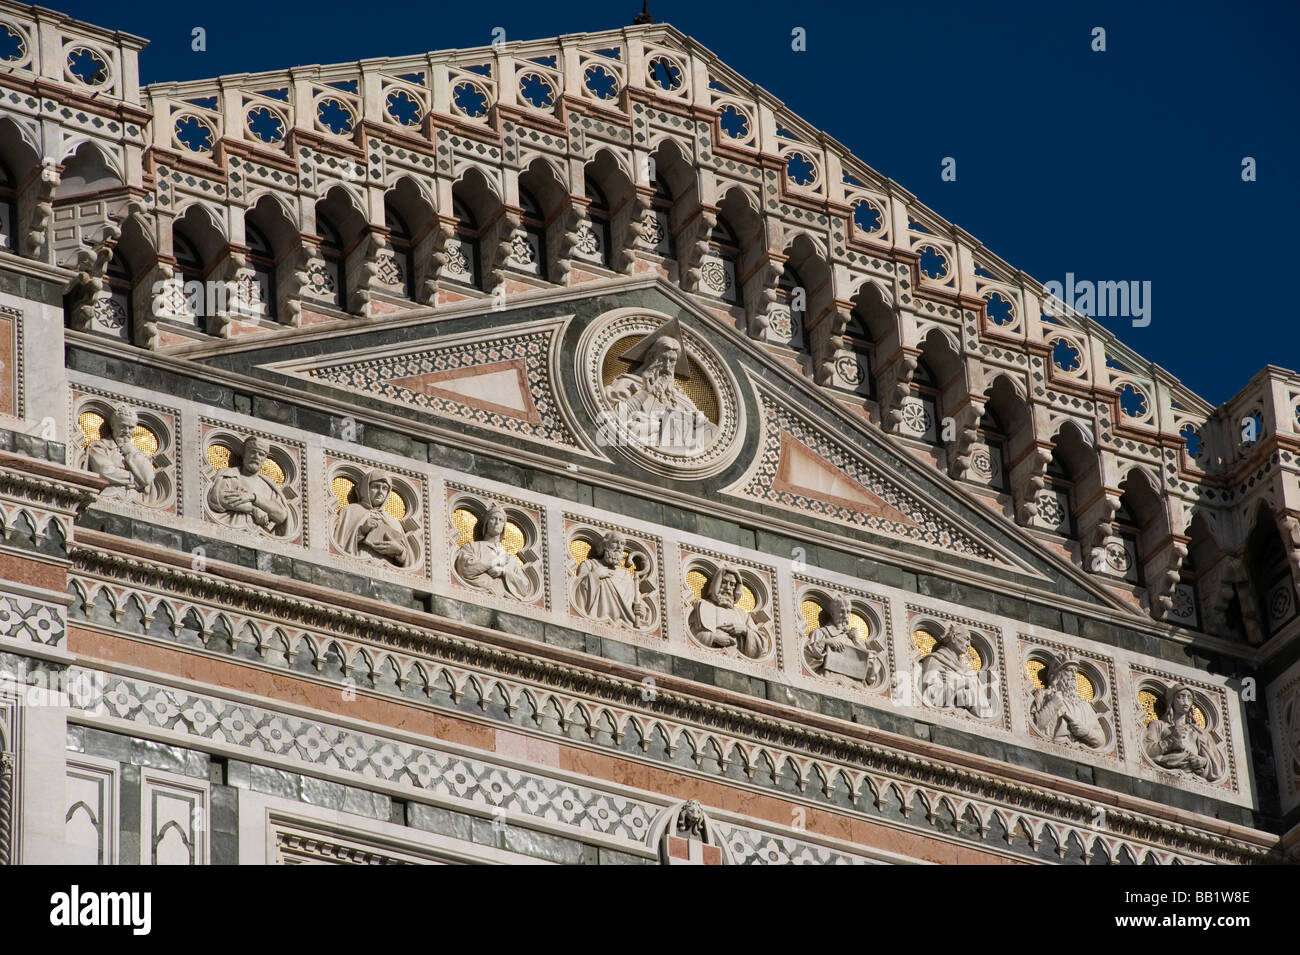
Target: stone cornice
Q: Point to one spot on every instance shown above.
(61, 488)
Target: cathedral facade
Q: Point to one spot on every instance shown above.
(560, 452)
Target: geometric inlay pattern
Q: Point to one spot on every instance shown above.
(373, 757)
(438, 380)
(769, 481)
(749, 847)
(527, 794)
(24, 619)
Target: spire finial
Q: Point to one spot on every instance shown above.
(644, 16)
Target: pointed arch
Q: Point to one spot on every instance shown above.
(1073, 480)
(676, 197)
(472, 251)
(609, 193)
(805, 290)
(273, 238)
(87, 168)
(118, 303)
(199, 245)
(411, 221)
(1269, 571)
(937, 388)
(19, 186)
(1141, 521)
(1006, 428)
(733, 249)
(341, 230)
(543, 199)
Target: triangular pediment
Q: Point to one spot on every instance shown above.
(500, 379)
(801, 471)
(499, 387)
(804, 466)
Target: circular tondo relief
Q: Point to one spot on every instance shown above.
(659, 394)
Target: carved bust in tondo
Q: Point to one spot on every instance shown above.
(716, 620)
(949, 680)
(651, 404)
(833, 649)
(1175, 741)
(1060, 713)
(606, 589)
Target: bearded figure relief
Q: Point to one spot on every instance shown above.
(1059, 713)
(650, 403)
(949, 680)
(364, 527)
(485, 564)
(717, 621)
(834, 650)
(1177, 742)
(608, 589)
(244, 498)
(116, 456)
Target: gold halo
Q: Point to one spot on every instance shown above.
(1147, 701)
(697, 581)
(218, 456)
(92, 423)
(812, 614)
(860, 624)
(512, 538)
(580, 550)
(1036, 669)
(815, 615)
(342, 488)
(273, 471)
(145, 440)
(465, 520)
(925, 642)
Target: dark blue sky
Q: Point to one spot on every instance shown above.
(1123, 165)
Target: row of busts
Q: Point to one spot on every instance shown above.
(612, 581)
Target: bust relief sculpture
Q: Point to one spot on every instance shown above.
(604, 589)
(651, 404)
(949, 680)
(717, 621)
(659, 393)
(246, 499)
(116, 456)
(1176, 741)
(834, 650)
(484, 563)
(363, 527)
(1060, 713)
